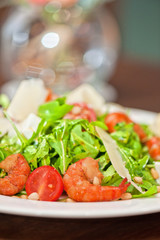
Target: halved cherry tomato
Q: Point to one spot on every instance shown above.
(116, 117)
(49, 95)
(81, 111)
(47, 182)
(140, 132)
(64, 3)
(153, 145)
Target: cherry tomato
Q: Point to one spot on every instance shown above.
(47, 182)
(140, 132)
(50, 95)
(65, 3)
(153, 145)
(113, 118)
(81, 111)
(39, 2)
(116, 117)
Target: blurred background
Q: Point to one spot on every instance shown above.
(115, 46)
(140, 31)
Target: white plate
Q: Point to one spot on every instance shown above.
(132, 207)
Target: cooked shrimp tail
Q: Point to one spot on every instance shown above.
(124, 186)
(82, 182)
(18, 170)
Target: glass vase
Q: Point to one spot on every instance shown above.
(65, 47)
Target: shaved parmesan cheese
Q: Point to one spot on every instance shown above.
(155, 126)
(113, 107)
(157, 167)
(86, 93)
(29, 95)
(5, 126)
(115, 156)
(29, 125)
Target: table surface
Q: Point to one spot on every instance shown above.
(138, 85)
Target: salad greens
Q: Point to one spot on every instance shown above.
(4, 101)
(54, 110)
(60, 142)
(136, 159)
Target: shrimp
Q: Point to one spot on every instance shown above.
(18, 170)
(82, 183)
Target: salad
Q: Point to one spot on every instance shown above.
(74, 147)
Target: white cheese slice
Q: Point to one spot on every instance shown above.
(157, 167)
(86, 93)
(115, 156)
(113, 107)
(29, 125)
(5, 126)
(29, 95)
(155, 126)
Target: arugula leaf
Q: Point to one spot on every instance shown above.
(152, 190)
(38, 132)
(61, 134)
(102, 117)
(54, 110)
(103, 162)
(84, 139)
(4, 100)
(112, 180)
(100, 124)
(22, 139)
(29, 153)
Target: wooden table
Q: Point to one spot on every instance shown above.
(138, 85)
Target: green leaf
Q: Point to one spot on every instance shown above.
(102, 117)
(38, 131)
(19, 135)
(29, 154)
(4, 100)
(99, 124)
(152, 190)
(61, 135)
(143, 161)
(60, 148)
(84, 139)
(9, 145)
(54, 110)
(110, 171)
(113, 180)
(103, 162)
(43, 149)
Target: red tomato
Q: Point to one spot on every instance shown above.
(113, 118)
(49, 95)
(154, 147)
(39, 2)
(65, 3)
(116, 117)
(47, 182)
(140, 132)
(81, 111)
